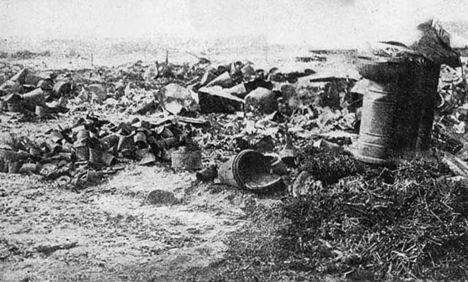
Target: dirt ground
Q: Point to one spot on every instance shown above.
(112, 231)
(109, 231)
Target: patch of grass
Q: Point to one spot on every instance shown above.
(414, 226)
(327, 166)
(255, 252)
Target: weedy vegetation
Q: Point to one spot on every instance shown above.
(405, 223)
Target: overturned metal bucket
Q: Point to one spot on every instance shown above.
(249, 170)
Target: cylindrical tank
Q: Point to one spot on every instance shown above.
(427, 84)
(375, 135)
(414, 113)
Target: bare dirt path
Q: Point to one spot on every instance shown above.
(111, 232)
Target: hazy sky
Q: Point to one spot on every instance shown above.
(317, 22)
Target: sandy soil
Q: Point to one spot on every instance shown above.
(112, 231)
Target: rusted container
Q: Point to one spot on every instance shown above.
(14, 107)
(249, 170)
(40, 111)
(82, 135)
(184, 159)
(3, 105)
(35, 97)
(110, 142)
(139, 139)
(384, 62)
(427, 85)
(28, 168)
(108, 159)
(95, 155)
(14, 167)
(381, 70)
(414, 113)
(82, 152)
(375, 136)
(62, 87)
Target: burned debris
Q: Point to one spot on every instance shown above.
(372, 169)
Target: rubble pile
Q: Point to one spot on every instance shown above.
(221, 109)
(95, 145)
(450, 120)
(231, 108)
(41, 94)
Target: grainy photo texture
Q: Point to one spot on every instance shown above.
(233, 140)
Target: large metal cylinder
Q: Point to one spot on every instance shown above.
(427, 85)
(375, 135)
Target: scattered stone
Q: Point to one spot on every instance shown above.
(161, 198)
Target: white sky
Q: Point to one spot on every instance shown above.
(334, 23)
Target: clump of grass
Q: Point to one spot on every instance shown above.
(253, 251)
(327, 166)
(412, 227)
(408, 228)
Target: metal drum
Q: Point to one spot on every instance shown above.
(415, 110)
(375, 135)
(428, 86)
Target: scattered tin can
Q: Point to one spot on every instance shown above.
(110, 142)
(95, 156)
(3, 106)
(82, 153)
(54, 148)
(63, 180)
(108, 159)
(140, 139)
(14, 107)
(62, 87)
(34, 151)
(40, 111)
(56, 136)
(28, 168)
(249, 170)
(82, 135)
(13, 167)
(148, 158)
(184, 159)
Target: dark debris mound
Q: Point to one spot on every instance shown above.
(416, 227)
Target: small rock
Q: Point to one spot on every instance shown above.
(161, 197)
